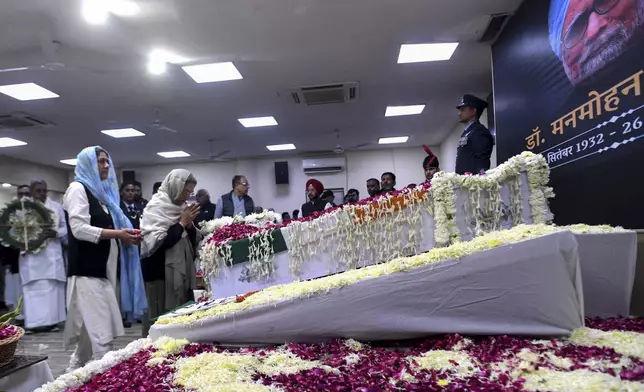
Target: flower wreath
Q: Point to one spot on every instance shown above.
(26, 233)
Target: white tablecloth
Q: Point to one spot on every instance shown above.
(607, 263)
(528, 288)
(27, 379)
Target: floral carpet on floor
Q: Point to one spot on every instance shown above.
(606, 355)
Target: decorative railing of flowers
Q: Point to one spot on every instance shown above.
(388, 226)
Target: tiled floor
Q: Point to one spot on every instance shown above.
(51, 344)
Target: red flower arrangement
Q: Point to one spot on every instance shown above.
(8, 331)
(385, 368)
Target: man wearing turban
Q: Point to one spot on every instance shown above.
(314, 189)
(430, 164)
(587, 35)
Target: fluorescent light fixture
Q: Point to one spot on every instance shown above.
(9, 142)
(70, 162)
(404, 110)
(122, 7)
(173, 154)
(215, 72)
(95, 11)
(258, 121)
(27, 91)
(281, 147)
(6, 185)
(419, 53)
(123, 132)
(393, 140)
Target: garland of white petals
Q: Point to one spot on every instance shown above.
(485, 209)
(260, 256)
(260, 219)
(380, 231)
(235, 371)
(83, 375)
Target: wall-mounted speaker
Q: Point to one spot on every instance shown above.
(281, 173)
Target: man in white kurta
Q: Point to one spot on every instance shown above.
(42, 275)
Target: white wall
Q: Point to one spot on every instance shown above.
(17, 172)
(450, 144)
(406, 163)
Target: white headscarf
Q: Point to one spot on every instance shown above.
(161, 212)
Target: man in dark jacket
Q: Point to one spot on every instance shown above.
(476, 142)
(129, 205)
(207, 211)
(237, 201)
(314, 190)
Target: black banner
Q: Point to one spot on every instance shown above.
(567, 84)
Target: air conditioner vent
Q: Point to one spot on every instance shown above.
(314, 166)
(494, 27)
(22, 120)
(328, 169)
(325, 94)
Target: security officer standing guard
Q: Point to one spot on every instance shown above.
(476, 142)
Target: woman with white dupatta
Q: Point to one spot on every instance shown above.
(100, 237)
(169, 245)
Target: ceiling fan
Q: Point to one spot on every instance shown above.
(158, 125)
(338, 148)
(50, 48)
(216, 156)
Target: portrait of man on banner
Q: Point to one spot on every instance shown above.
(587, 35)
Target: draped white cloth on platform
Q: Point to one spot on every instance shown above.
(532, 287)
(42, 277)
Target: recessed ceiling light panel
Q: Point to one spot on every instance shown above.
(215, 72)
(281, 147)
(70, 162)
(124, 132)
(27, 91)
(9, 142)
(173, 154)
(419, 53)
(404, 110)
(393, 140)
(258, 122)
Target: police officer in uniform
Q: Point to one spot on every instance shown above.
(476, 142)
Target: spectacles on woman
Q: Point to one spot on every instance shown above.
(577, 29)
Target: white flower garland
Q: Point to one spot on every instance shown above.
(485, 206)
(260, 256)
(260, 219)
(376, 232)
(83, 375)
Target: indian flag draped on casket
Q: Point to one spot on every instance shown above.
(404, 223)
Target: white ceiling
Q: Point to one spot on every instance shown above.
(276, 45)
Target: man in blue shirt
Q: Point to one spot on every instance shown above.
(237, 201)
